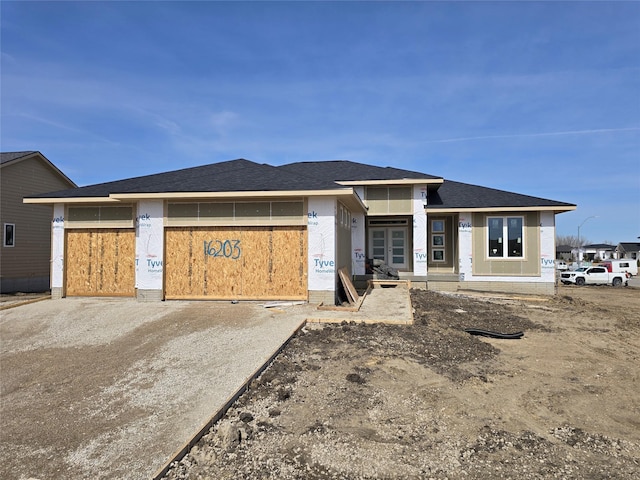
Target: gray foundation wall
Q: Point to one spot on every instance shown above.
(316, 297)
(526, 288)
(149, 295)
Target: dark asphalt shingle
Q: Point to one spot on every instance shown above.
(246, 176)
(11, 156)
(344, 170)
(464, 195)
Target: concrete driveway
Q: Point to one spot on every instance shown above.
(111, 388)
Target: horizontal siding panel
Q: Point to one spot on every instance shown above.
(31, 255)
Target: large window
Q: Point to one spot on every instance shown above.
(505, 237)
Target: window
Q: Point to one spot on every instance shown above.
(9, 239)
(505, 237)
(437, 241)
(102, 216)
(224, 213)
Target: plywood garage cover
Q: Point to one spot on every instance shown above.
(250, 263)
(100, 262)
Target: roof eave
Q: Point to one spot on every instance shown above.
(53, 200)
(347, 195)
(399, 181)
(45, 160)
(555, 209)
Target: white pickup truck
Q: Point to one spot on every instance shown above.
(593, 276)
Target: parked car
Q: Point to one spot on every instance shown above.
(622, 265)
(561, 265)
(594, 276)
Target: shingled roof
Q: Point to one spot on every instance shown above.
(457, 195)
(231, 176)
(347, 171)
(243, 175)
(629, 246)
(6, 157)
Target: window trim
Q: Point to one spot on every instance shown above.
(438, 230)
(505, 235)
(13, 235)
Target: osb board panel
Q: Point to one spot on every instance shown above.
(100, 262)
(242, 263)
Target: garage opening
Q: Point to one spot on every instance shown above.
(248, 263)
(100, 262)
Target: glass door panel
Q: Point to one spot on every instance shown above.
(398, 254)
(379, 244)
(389, 244)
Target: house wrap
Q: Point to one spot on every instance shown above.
(241, 230)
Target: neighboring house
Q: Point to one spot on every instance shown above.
(599, 251)
(25, 253)
(628, 250)
(563, 252)
(242, 230)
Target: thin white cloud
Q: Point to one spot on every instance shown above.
(223, 121)
(64, 126)
(530, 135)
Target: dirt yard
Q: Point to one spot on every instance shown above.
(431, 401)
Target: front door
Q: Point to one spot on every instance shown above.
(389, 244)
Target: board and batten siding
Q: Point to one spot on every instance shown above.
(26, 266)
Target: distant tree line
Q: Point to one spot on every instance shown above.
(571, 240)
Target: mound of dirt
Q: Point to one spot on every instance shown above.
(354, 401)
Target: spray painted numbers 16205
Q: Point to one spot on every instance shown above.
(222, 248)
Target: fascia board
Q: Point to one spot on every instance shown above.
(348, 194)
(51, 201)
(401, 181)
(234, 194)
(557, 209)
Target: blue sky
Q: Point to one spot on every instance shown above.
(540, 98)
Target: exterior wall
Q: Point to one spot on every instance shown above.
(150, 250)
(343, 238)
(57, 251)
(26, 266)
(528, 266)
(321, 228)
(548, 247)
(535, 275)
(420, 245)
(451, 243)
(358, 244)
(358, 239)
(393, 200)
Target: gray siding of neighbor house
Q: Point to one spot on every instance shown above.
(25, 267)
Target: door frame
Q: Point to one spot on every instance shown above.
(389, 225)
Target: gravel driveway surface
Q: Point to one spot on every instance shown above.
(111, 388)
